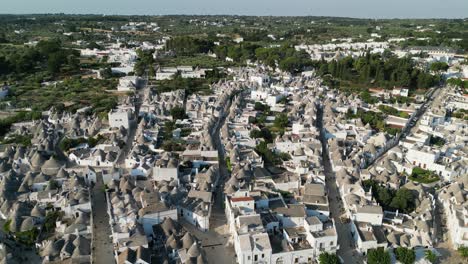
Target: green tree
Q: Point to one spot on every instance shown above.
(405, 255)
(268, 156)
(261, 107)
(55, 61)
(178, 112)
(463, 251)
(328, 258)
(93, 45)
(3, 38)
(106, 73)
(403, 200)
(73, 62)
(385, 196)
(430, 256)
(50, 219)
(439, 66)
(151, 72)
(46, 47)
(281, 121)
(7, 226)
(378, 256)
(255, 133)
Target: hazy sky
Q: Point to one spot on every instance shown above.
(348, 8)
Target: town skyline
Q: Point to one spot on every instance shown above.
(398, 9)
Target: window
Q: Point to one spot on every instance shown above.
(263, 255)
(248, 257)
(256, 258)
(331, 243)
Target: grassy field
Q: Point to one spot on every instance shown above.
(71, 94)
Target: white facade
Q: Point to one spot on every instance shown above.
(253, 248)
(129, 83)
(260, 79)
(200, 221)
(120, 117)
(258, 95)
(165, 174)
(148, 220)
(164, 76)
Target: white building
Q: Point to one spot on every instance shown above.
(455, 204)
(129, 83)
(120, 118)
(367, 236)
(253, 248)
(261, 79)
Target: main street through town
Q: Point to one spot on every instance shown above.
(429, 97)
(102, 234)
(103, 250)
(215, 241)
(347, 250)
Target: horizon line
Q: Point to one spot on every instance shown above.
(237, 15)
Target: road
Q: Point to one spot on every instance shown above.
(410, 124)
(137, 100)
(217, 214)
(347, 250)
(103, 250)
(215, 241)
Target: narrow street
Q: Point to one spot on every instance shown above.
(215, 240)
(347, 251)
(137, 100)
(103, 251)
(218, 216)
(213, 243)
(411, 122)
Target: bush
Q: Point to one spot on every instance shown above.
(437, 141)
(463, 251)
(19, 139)
(265, 133)
(405, 255)
(28, 237)
(6, 226)
(281, 121)
(430, 256)
(50, 219)
(6, 123)
(68, 143)
(268, 156)
(423, 176)
(327, 258)
(261, 107)
(378, 256)
(228, 164)
(171, 145)
(178, 112)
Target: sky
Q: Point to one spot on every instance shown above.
(342, 8)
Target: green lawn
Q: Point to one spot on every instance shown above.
(423, 176)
